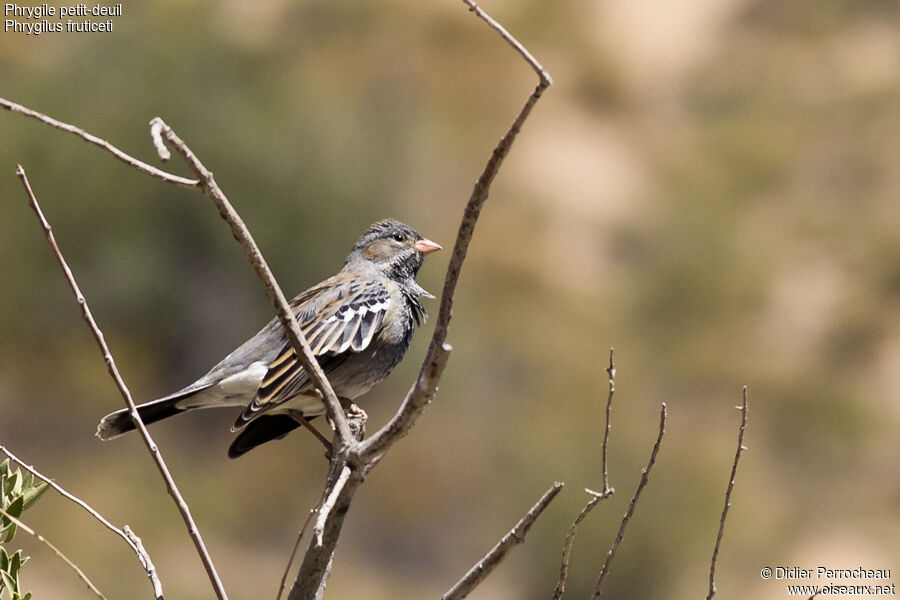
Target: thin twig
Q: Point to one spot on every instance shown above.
(570, 538)
(316, 566)
(328, 504)
(645, 476)
(596, 497)
(126, 534)
(55, 550)
(93, 139)
(611, 372)
(544, 76)
(495, 556)
(285, 314)
(287, 569)
(171, 487)
(734, 466)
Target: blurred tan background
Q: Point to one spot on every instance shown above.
(710, 187)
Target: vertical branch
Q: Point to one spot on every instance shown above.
(311, 577)
(596, 497)
(645, 475)
(611, 372)
(734, 466)
(425, 386)
(126, 395)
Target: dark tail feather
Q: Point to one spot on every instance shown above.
(260, 430)
(119, 422)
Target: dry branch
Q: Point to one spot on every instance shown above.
(495, 556)
(126, 395)
(596, 497)
(425, 387)
(645, 476)
(93, 139)
(734, 466)
(125, 533)
(315, 567)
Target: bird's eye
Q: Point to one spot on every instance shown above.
(399, 237)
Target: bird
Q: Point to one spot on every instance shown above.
(359, 323)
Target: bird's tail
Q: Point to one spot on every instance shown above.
(116, 423)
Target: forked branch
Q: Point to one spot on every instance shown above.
(125, 533)
(310, 577)
(645, 476)
(596, 497)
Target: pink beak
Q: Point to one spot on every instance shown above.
(426, 246)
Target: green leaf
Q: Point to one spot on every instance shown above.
(4, 559)
(32, 494)
(9, 581)
(4, 467)
(14, 563)
(11, 532)
(15, 509)
(18, 505)
(16, 483)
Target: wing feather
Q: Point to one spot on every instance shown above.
(339, 318)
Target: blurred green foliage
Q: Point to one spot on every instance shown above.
(17, 493)
(712, 188)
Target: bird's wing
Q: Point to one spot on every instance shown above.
(338, 318)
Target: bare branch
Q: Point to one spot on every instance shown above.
(300, 533)
(283, 309)
(425, 386)
(645, 476)
(126, 534)
(55, 550)
(544, 76)
(596, 497)
(126, 395)
(611, 372)
(734, 466)
(92, 139)
(328, 504)
(316, 565)
(495, 556)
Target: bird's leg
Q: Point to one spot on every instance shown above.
(305, 423)
(356, 418)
